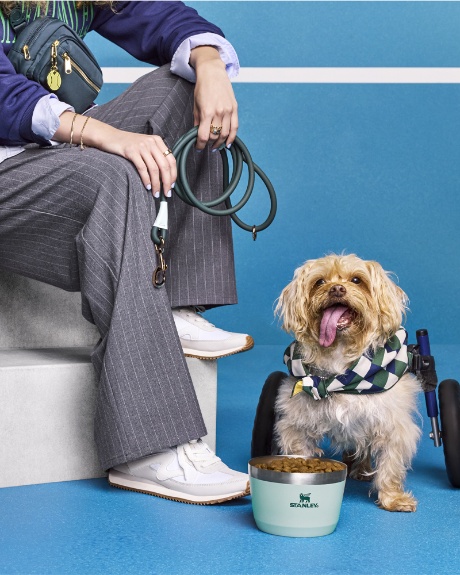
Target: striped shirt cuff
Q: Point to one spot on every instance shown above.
(180, 62)
(45, 118)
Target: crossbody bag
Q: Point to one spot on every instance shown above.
(52, 54)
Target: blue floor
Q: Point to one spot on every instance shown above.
(87, 527)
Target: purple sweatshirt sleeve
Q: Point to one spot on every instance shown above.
(150, 31)
(18, 97)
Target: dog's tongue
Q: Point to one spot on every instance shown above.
(328, 328)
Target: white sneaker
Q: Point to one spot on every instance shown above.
(203, 340)
(190, 473)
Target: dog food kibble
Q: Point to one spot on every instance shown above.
(300, 465)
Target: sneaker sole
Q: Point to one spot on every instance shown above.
(200, 354)
(123, 481)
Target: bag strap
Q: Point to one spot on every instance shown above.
(18, 20)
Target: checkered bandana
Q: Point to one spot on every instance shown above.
(370, 374)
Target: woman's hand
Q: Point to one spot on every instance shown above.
(149, 154)
(151, 157)
(215, 102)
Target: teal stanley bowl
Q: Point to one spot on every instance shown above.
(296, 504)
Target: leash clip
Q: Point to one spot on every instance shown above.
(159, 275)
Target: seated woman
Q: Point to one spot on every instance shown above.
(79, 217)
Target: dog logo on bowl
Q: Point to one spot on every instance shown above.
(304, 501)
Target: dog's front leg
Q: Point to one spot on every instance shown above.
(391, 463)
(294, 433)
(293, 440)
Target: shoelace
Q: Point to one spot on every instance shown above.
(198, 451)
(194, 314)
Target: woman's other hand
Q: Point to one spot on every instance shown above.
(215, 103)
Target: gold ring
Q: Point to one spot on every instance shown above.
(215, 130)
(168, 151)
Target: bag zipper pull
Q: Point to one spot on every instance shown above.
(54, 46)
(67, 63)
(25, 51)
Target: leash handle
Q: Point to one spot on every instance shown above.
(240, 155)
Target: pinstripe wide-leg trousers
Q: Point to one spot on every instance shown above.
(81, 220)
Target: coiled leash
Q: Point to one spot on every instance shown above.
(240, 155)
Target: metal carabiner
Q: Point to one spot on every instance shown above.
(159, 277)
(159, 274)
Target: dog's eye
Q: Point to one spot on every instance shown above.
(320, 282)
(355, 280)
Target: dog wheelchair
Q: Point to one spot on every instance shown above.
(423, 366)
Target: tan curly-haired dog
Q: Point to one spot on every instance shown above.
(341, 308)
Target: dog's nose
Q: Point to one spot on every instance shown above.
(337, 290)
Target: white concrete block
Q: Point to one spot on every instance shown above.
(204, 377)
(47, 405)
(34, 314)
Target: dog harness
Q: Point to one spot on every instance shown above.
(371, 373)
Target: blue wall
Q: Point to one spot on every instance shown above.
(370, 169)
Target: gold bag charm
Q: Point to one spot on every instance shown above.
(54, 79)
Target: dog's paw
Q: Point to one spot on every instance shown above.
(304, 452)
(397, 501)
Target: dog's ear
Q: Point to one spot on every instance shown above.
(391, 299)
(291, 306)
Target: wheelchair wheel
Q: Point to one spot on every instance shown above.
(264, 422)
(449, 408)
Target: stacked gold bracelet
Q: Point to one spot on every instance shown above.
(82, 147)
